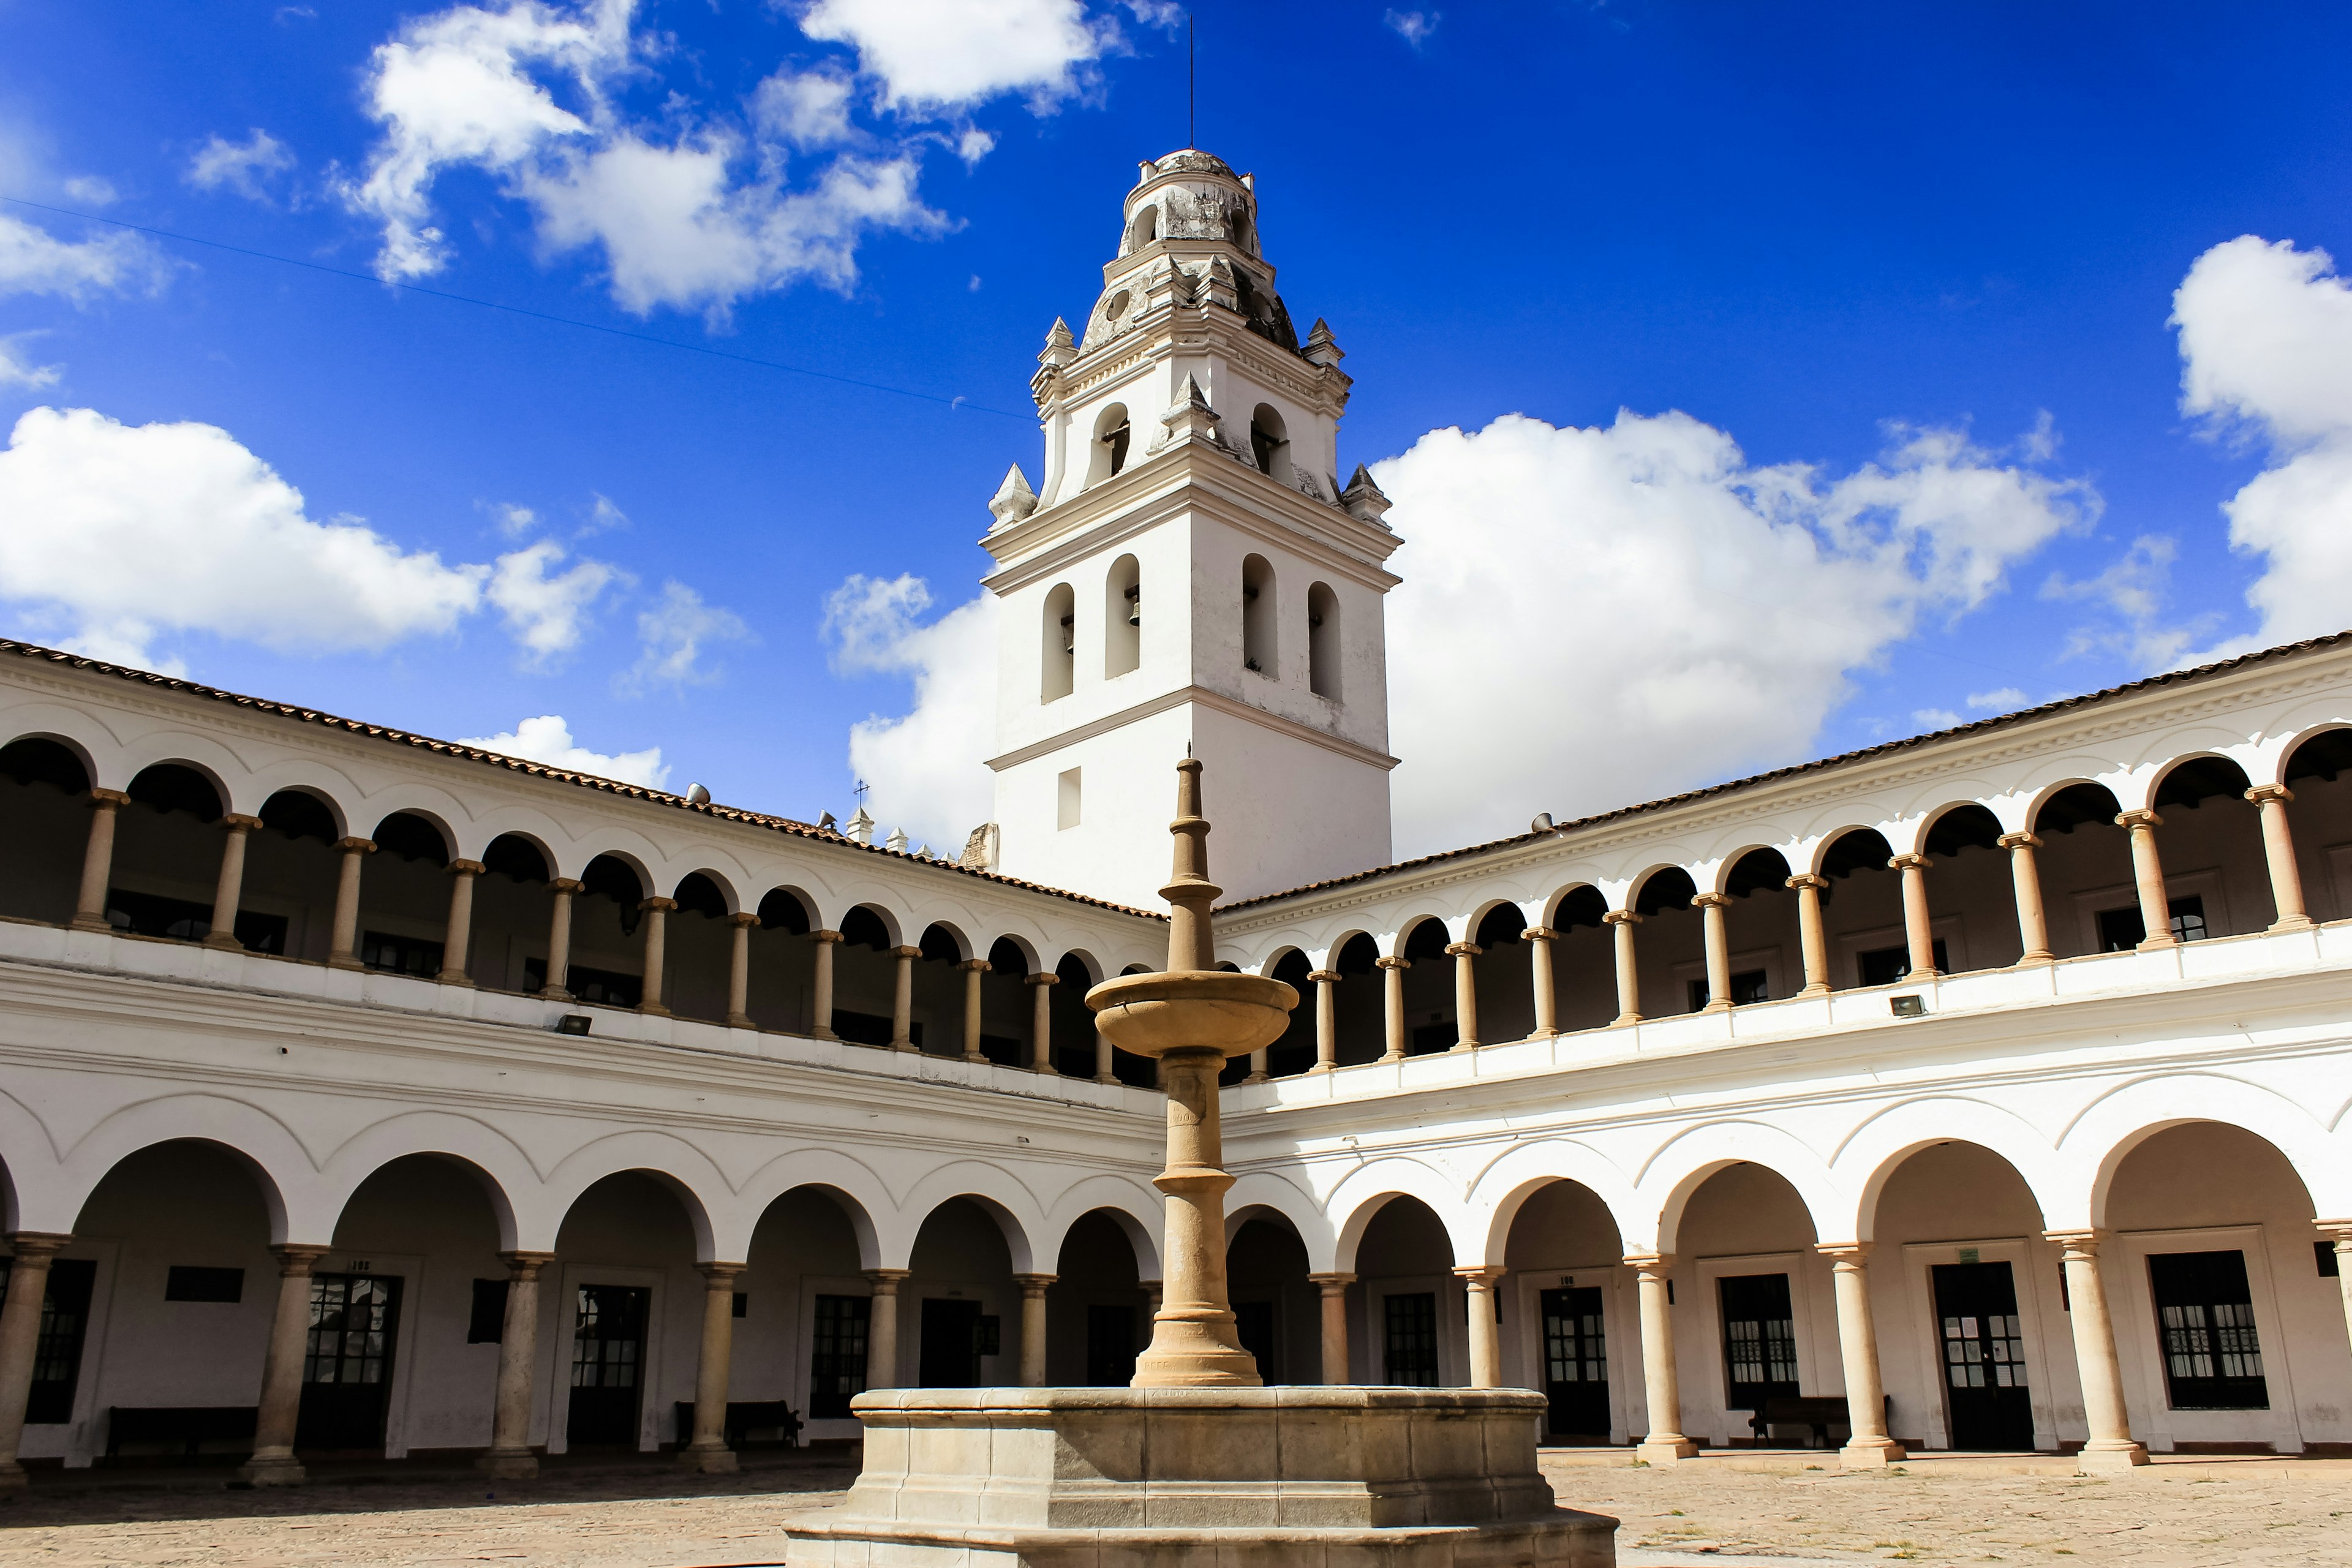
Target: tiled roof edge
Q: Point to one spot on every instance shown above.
(541, 770)
(1884, 748)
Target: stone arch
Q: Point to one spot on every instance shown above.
(1661, 888)
(282, 1169)
(670, 1160)
(1260, 616)
(1679, 1168)
(1832, 855)
(1107, 452)
(2192, 777)
(1748, 868)
(1031, 964)
(944, 941)
(387, 834)
(34, 1186)
(203, 757)
(2094, 1143)
(1370, 1188)
(1122, 617)
(993, 1187)
(1057, 643)
(2048, 793)
(1410, 934)
(1266, 965)
(728, 899)
(1133, 1207)
(512, 860)
(149, 784)
(1577, 904)
(1264, 1190)
(854, 1187)
(1324, 647)
(1869, 1156)
(499, 1163)
(1954, 825)
(1503, 1188)
(2334, 751)
(55, 727)
(789, 908)
(881, 915)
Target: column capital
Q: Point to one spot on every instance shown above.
(1621, 918)
(1809, 879)
(2077, 1242)
(1331, 1282)
(659, 904)
(2338, 1230)
(2017, 840)
(108, 797)
(1650, 1263)
(1907, 863)
(974, 966)
(1048, 978)
(296, 1259)
(826, 937)
(903, 951)
(1540, 934)
(356, 845)
(1463, 950)
(886, 1280)
(465, 867)
(744, 918)
(2141, 818)
(720, 1274)
(1323, 977)
(1710, 900)
(1845, 1254)
(565, 885)
(1392, 964)
(525, 1265)
(235, 822)
(2263, 793)
(28, 1245)
(1034, 1285)
(1477, 1274)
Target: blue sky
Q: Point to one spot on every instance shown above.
(1818, 231)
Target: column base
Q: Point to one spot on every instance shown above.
(272, 1470)
(903, 1046)
(1046, 1069)
(653, 1009)
(2110, 1455)
(552, 994)
(12, 1476)
(509, 1465)
(1871, 1454)
(95, 922)
(1716, 1007)
(740, 1021)
(975, 1057)
(2031, 959)
(1100, 1078)
(1812, 991)
(714, 1461)
(1625, 1020)
(1391, 1057)
(2157, 944)
(224, 940)
(1461, 1045)
(455, 978)
(2295, 922)
(1259, 1078)
(345, 960)
(1324, 1067)
(1666, 1450)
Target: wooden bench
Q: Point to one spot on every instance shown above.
(1820, 1412)
(745, 1417)
(190, 1426)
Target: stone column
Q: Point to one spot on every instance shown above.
(1104, 1070)
(973, 969)
(1258, 1073)
(1032, 1328)
(509, 1456)
(1629, 981)
(738, 971)
(98, 860)
(882, 1328)
(1918, 932)
(1665, 1442)
(20, 1339)
(2110, 1447)
(1392, 1006)
(1539, 940)
(1810, 938)
(2147, 875)
(230, 888)
(2033, 925)
(1486, 1336)
(1466, 994)
(273, 1463)
(1326, 1020)
(1868, 1443)
(902, 998)
(708, 1453)
(656, 930)
(561, 891)
(821, 985)
(343, 942)
(458, 935)
(2278, 848)
(1718, 950)
(1334, 1290)
(1041, 1021)
(2339, 1230)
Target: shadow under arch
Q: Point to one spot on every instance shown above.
(481, 1149)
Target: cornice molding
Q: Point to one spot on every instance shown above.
(1202, 697)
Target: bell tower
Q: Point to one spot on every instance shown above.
(1189, 577)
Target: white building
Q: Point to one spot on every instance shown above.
(1861, 1075)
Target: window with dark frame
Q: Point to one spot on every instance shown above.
(1747, 987)
(58, 1345)
(1411, 1339)
(195, 1282)
(1759, 1340)
(2121, 930)
(1892, 965)
(2325, 1252)
(837, 1362)
(401, 954)
(2205, 1318)
(485, 1325)
(180, 920)
(605, 987)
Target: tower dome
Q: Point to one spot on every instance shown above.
(1190, 213)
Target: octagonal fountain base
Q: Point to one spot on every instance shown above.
(1201, 1478)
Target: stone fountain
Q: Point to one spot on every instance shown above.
(1197, 1464)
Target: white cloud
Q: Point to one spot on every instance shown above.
(937, 54)
(513, 521)
(15, 370)
(34, 262)
(603, 515)
(2008, 699)
(548, 739)
(91, 190)
(2266, 354)
(1932, 719)
(1596, 616)
(687, 211)
(243, 167)
(1414, 27)
(117, 534)
(673, 635)
(926, 767)
(2136, 591)
(547, 615)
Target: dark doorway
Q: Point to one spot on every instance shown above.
(1576, 1364)
(951, 1344)
(347, 1361)
(608, 1362)
(1759, 1340)
(2212, 1355)
(1984, 1357)
(1254, 1324)
(1411, 1339)
(838, 1365)
(1110, 1346)
(57, 1353)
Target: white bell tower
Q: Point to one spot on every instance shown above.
(1190, 573)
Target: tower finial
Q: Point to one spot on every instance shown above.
(1191, 941)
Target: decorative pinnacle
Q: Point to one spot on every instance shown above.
(1014, 499)
(1192, 943)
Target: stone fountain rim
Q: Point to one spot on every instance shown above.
(1280, 1396)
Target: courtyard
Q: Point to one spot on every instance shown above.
(2182, 1511)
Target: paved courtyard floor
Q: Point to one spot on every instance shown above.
(1723, 1509)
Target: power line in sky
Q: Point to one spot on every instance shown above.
(951, 403)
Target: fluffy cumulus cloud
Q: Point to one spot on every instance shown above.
(2266, 355)
(547, 612)
(925, 766)
(548, 739)
(35, 262)
(243, 167)
(949, 53)
(678, 635)
(1596, 616)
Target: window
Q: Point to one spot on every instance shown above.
(1122, 617)
(56, 1349)
(152, 914)
(1759, 1340)
(1747, 987)
(606, 987)
(2121, 930)
(1270, 441)
(190, 1282)
(1110, 1346)
(485, 1325)
(1066, 799)
(837, 1363)
(1108, 454)
(1889, 965)
(2205, 1315)
(1323, 641)
(1412, 1340)
(1060, 650)
(1258, 627)
(1143, 228)
(872, 1028)
(401, 954)
(2330, 1265)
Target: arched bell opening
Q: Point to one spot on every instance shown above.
(46, 803)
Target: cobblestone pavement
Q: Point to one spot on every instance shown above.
(2201, 1514)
